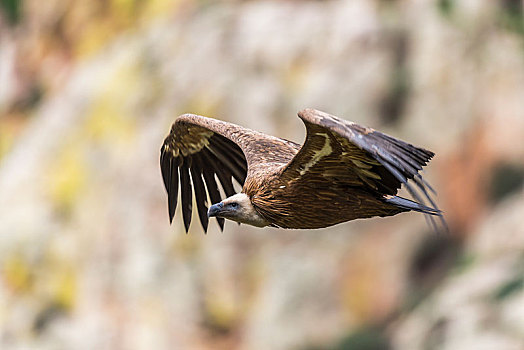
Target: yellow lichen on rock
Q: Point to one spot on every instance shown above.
(108, 118)
(68, 178)
(16, 273)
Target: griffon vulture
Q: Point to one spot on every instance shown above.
(343, 171)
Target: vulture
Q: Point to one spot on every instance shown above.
(343, 171)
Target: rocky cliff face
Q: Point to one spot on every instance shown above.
(88, 259)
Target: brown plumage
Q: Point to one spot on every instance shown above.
(343, 171)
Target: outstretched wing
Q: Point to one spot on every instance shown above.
(199, 150)
(347, 153)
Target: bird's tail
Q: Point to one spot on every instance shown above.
(410, 205)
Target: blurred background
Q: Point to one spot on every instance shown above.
(88, 91)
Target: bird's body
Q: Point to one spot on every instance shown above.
(342, 172)
(289, 204)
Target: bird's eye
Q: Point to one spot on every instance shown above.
(234, 205)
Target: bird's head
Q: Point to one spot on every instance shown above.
(237, 208)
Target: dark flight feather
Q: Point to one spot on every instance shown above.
(200, 191)
(228, 164)
(223, 174)
(212, 190)
(173, 187)
(233, 151)
(187, 203)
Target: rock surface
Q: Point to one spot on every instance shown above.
(88, 259)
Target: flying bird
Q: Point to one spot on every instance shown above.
(342, 172)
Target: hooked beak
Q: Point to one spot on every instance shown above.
(214, 210)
